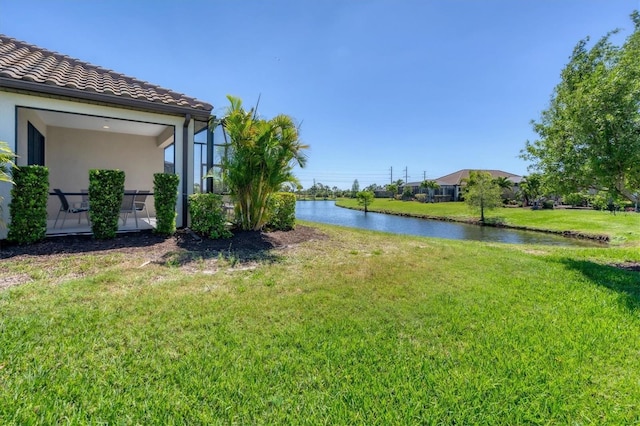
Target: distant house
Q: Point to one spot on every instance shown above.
(452, 185)
(72, 116)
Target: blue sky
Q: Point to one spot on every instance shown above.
(432, 86)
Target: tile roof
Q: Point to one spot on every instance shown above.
(28, 63)
(457, 177)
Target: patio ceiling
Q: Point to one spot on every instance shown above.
(102, 124)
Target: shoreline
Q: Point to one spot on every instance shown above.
(601, 238)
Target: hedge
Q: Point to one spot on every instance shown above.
(106, 189)
(28, 207)
(165, 188)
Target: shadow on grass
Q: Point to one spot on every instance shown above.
(243, 247)
(624, 282)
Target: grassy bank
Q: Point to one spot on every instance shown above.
(622, 228)
(358, 328)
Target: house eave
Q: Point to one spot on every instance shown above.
(102, 98)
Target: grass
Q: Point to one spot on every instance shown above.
(622, 228)
(361, 328)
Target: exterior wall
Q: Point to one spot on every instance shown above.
(126, 151)
(138, 156)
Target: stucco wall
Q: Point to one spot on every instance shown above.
(130, 153)
(71, 153)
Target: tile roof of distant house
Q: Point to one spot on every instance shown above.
(457, 177)
(28, 67)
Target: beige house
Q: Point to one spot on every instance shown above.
(71, 116)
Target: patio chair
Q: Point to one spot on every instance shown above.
(140, 203)
(85, 198)
(128, 206)
(69, 208)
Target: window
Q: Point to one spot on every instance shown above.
(35, 149)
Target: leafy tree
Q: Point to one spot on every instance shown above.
(365, 198)
(355, 188)
(261, 157)
(589, 137)
(482, 192)
(392, 188)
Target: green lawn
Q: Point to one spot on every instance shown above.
(358, 328)
(623, 228)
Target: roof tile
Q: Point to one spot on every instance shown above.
(22, 61)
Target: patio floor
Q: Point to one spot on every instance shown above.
(72, 227)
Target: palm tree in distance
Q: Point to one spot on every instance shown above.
(431, 186)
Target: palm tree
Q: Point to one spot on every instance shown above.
(431, 185)
(262, 154)
(505, 184)
(6, 163)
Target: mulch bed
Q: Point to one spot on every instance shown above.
(244, 242)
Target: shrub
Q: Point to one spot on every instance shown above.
(106, 188)
(207, 216)
(28, 207)
(575, 199)
(421, 198)
(548, 204)
(165, 188)
(282, 211)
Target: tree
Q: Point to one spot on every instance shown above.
(392, 188)
(430, 185)
(589, 137)
(365, 198)
(531, 188)
(261, 157)
(355, 188)
(505, 185)
(481, 192)
(6, 163)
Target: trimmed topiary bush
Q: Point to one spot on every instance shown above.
(165, 189)
(106, 188)
(28, 207)
(208, 217)
(282, 211)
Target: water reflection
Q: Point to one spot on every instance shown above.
(327, 212)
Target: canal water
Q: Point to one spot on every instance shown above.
(328, 212)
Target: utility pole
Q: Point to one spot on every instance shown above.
(406, 176)
(391, 175)
(424, 175)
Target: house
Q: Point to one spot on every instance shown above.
(452, 185)
(72, 116)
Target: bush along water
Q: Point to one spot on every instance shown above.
(106, 189)
(28, 207)
(282, 211)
